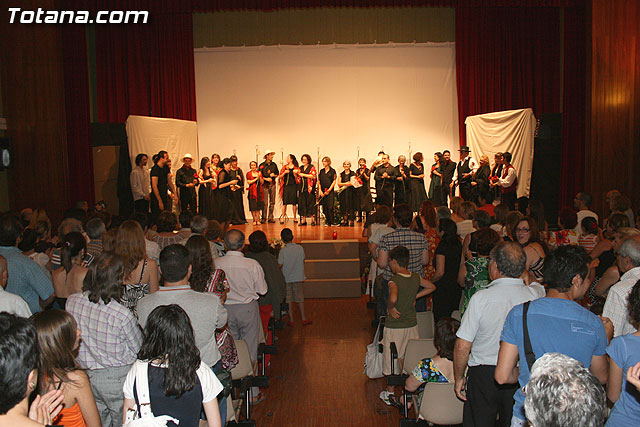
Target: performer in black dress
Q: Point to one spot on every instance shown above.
(254, 192)
(327, 179)
(289, 185)
(205, 191)
(385, 177)
(435, 187)
(236, 197)
(226, 183)
(307, 200)
(364, 203)
(416, 175)
(402, 188)
(346, 194)
(216, 167)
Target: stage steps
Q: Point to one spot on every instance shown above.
(332, 268)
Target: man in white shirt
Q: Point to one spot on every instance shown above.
(140, 184)
(615, 308)
(478, 340)
(246, 281)
(463, 175)
(9, 302)
(582, 202)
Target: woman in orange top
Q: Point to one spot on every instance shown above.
(58, 341)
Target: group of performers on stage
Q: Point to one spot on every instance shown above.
(220, 184)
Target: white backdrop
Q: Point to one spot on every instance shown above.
(329, 99)
(511, 131)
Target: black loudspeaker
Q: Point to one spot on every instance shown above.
(6, 153)
(545, 177)
(108, 134)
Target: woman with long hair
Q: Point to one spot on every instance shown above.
(416, 182)
(179, 383)
(528, 236)
(58, 342)
(446, 298)
(205, 196)
(435, 187)
(289, 183)
(216, 167)
(426, 223)
(254, 191)
(19, 376)
(68, 278)
(140, 272)
(307, 201)
(224, 208)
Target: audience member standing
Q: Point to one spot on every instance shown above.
(26, 278)
(555, 324)
(95, 228)
(582, 202)
(68, 278)
(246, 279)
(446, 298)
(291, 258)
(110, 337)
(479, 338)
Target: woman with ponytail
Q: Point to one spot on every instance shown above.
(68, 278)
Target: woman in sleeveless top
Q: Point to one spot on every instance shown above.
(68, 278)
(140, 272)
(289, 185)
(205, 192)
(528, 236)
(435, 186)
(58, 341)
(224, 208)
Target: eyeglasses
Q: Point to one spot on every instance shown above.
(522, 230)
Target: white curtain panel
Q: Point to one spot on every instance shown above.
(511, 131)
(150, 135)
(327, 100)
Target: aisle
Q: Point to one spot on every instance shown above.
(317, 379)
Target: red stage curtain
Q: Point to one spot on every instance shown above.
(572, 171)
(76, 100)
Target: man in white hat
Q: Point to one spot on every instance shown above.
(269, 172)
(187, 180)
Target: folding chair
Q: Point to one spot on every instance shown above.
(242, 378)
(440, 405)
(425, 324)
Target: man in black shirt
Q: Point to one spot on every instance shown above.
(160, 184)
(327, 179)
(269, 172)
(385, 177)
(448, 170)
(187, 181)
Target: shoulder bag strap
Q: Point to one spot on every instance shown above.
(142, 389)
(528, 350)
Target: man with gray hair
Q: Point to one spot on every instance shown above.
(247, 283)
(615, 308)
(479, 338)
(582, 202)
(563, 393)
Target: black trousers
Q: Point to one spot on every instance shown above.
(327, 206)
(188, 201)
(486, 399)
(466, 192)
(141, 205)
(446, 190)
(510, 199)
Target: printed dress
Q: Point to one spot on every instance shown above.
(427, 372)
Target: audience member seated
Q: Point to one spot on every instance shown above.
(588, 237)
(500, 213)
(616, 307)
(9, 302)
(522, 203)
(140, 272)
(214, 236)
(619, 203)
(566, 235)
(185, 219)
(67, 225)
(58, 342)
(152, 248)
(612, 275)
(474, 271)
(271, 301)
(95, 228)
(28, 244)
(456, 205)
(624, 353)
(512, 219)
(604, 250)
(110, 337)
(528, 236)
(467, 212)
(19, 375)
(69, 277)
(179, 382)
(439, 368)
(443, 212)
(485, 199)
(401, 324)
(536, 211)
(582, 203)
(446, 298)
(555, 323)
(26, 278)
(247, 283)
(166, 231)
(562, 392)
(25, 217)
(481, 219)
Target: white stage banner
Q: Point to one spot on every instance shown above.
(327, 100)
(152, 134)
(511, 131)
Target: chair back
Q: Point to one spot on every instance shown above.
(425, 324)
(440, 405)
(456, 315)
(244, 368)
(415, 352)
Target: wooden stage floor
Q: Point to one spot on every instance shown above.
(306, 232)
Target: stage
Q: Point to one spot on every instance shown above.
(305, 232)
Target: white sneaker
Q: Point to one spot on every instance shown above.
(384, 396)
